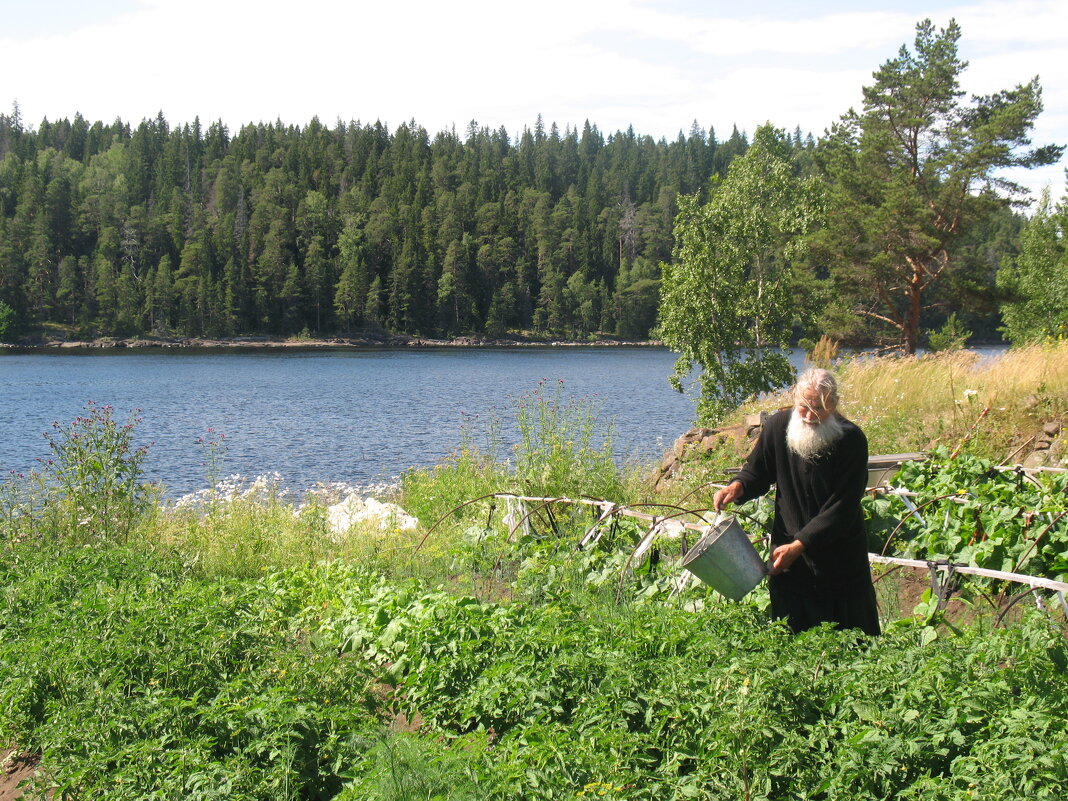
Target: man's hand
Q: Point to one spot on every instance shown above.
(785, 555)
(729, 494)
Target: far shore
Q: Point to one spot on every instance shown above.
(365, 340)
(357, 341)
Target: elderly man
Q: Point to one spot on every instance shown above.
(818, 462)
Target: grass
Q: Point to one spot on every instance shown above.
(915, 404)
(907, 404)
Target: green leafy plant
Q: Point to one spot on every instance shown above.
(97, 472)
(726, 305)
(135, 678)
(717, 704)
(405, 767)
(558, 452)
(970, 512)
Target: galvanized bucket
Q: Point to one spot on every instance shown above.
(726, 560)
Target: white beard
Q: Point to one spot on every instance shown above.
(809, 441)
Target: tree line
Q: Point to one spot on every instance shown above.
(895, 222)
(109, 229)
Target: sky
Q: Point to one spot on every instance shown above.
(656, 65)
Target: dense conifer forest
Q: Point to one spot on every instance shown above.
(110, 229)
(126, 231)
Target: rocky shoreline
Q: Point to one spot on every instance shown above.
(359, 341)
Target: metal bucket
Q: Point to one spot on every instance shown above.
(726, 560)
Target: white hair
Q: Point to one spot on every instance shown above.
(822, 382)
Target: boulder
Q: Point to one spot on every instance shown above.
(370, 513)
(698, 442)
(1048, 447)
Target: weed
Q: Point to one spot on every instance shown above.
(558, 453)
(215, 449)
(91, 488)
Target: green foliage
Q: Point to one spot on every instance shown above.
(404, 767)
(717, 703)
(558, 452)
(912, 173)
(137, 680)
(563, 449)
(972, 513)
(242, 537)
(951, 336)
(275, 229)
(725, 304)
(97, 473)
(1038, 278)
(7, 321)
(473, 471)
(141, 672)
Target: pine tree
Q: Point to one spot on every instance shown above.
(912, 172)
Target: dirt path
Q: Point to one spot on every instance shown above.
(16, 768)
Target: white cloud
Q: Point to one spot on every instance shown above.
(828, 35)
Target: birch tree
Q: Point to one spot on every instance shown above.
(1037, 279)
(725, 302)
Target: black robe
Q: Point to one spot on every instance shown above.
(817, 501)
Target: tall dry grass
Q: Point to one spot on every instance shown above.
(989, 405)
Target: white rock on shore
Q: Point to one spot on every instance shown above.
(354, 510)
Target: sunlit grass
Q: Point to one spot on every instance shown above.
(906, 404)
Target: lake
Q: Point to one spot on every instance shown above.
(353, 416)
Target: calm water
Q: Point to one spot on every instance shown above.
(359, 417)
(353, 416)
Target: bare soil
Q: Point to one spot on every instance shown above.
(900, 590)
(17, 768)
